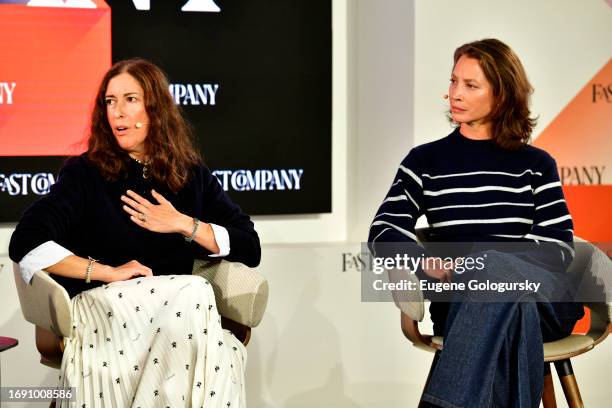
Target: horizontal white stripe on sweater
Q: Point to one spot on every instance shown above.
(396, 198)
(477, 190)
(412, 199)
(481, 205)
(411, 174)
(507, 236)
(539, 207)
(555, 220)
(401, 198)
(473, 173)
(393, 215)
(547, 186)
(381, 232)
(483, 221)
(548, 239)
(395, 227)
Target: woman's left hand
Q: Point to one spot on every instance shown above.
(160, 217)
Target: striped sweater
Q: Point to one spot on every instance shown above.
(473, 191)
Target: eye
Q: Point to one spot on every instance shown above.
(452, 80)
(471, 86)
(132, 99)
(109, 101)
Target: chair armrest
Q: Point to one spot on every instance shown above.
(412, 306)
(241, 293)
(599, 268)
(410, 328)
(411, 303)
(44, 302)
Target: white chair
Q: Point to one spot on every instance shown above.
(241, 294)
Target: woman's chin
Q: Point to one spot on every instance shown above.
(127, 147)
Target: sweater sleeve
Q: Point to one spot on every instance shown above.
(42, 257)
(219, 209)
(552, 227)
(392, 229)
(51, 217)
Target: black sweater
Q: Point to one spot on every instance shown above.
(83, 213)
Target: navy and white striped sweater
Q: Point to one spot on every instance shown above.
(473, 191)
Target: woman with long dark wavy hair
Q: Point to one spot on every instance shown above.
(496, 198)
(120, 230)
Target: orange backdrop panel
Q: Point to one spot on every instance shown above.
(579, 138)
(56, 57)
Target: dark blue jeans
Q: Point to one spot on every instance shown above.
(493, 354)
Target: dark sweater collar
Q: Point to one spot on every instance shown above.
(457, 136)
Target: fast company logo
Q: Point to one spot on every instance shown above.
(6, 92)
(602, 92)
(260, 179)
(194, 94)
(26, 183)
(237, 180)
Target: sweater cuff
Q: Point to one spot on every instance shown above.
(41, 257)
(222, 239)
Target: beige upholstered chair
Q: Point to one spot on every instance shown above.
(595, 269)
(241, 294)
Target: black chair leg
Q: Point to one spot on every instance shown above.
(569, 384)
(431, 369)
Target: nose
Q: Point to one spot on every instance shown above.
(455, 95)
(118, 111)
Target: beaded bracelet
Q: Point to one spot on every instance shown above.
(196, 225)
(89, 269)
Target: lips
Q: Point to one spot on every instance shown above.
(121, 130)
(455, 109)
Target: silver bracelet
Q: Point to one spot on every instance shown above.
(196, 225)
(89, 269)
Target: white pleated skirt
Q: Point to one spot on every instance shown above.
(152, 342)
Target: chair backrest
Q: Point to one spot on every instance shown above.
(591, 270)
(44, 302)
(241, 293)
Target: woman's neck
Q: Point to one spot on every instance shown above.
(139, 157)
(476, 131)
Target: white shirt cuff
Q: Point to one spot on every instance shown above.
(42, 257)
(222, 239)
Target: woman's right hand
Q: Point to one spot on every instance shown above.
(126, 271)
